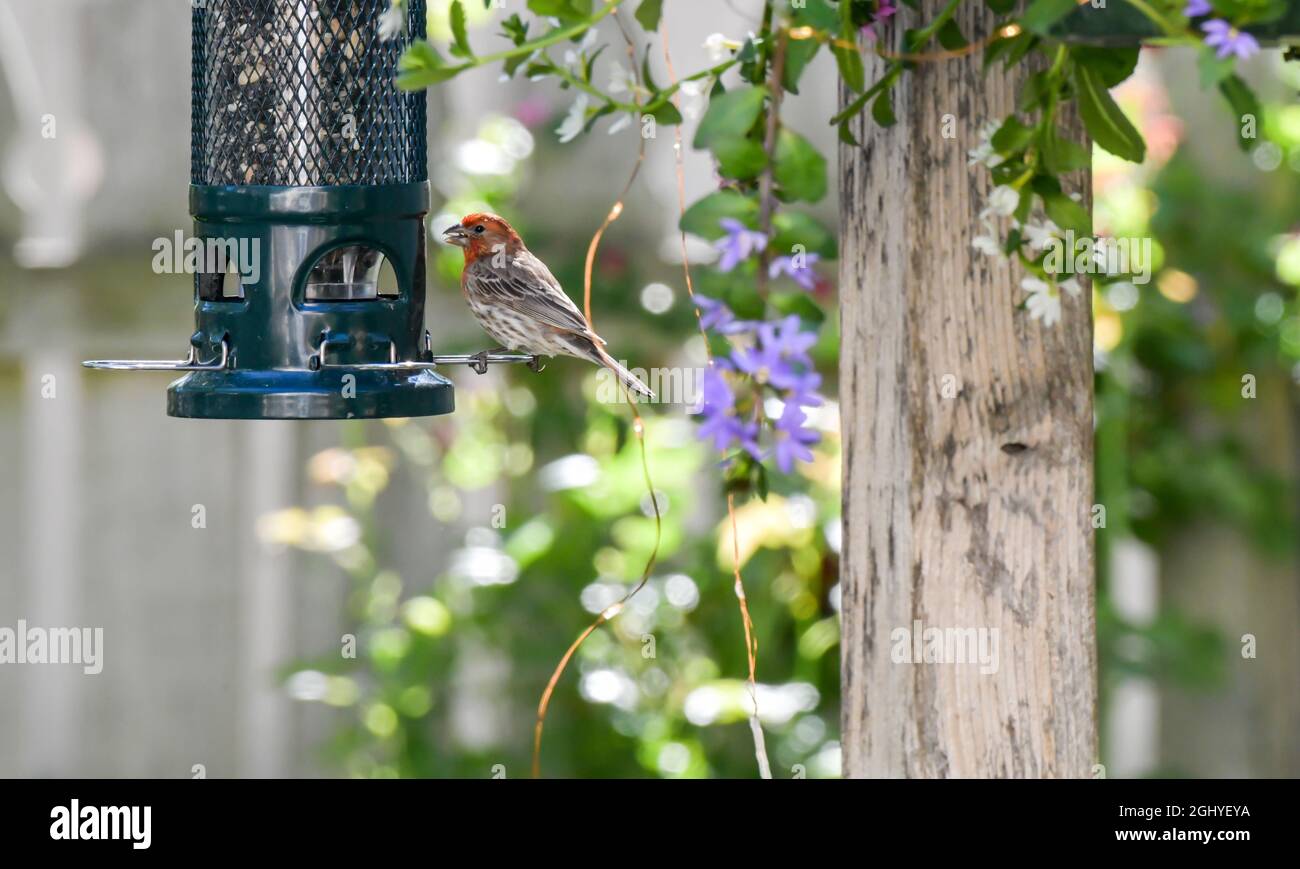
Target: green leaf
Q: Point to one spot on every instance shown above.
(849, 60)
(1061, 155)
(794, 227)
(565, 10)
(1008, 171)
(1042, 14)
(459, 36)
(800, 168)
(665, 113)
(1010, 50)
(950, 37)
(1111, 65)
(649, 13)
(818, 14)
(595, 116)
(882, 110)
(646, 78)
(422, 66)
(1066, 213)
(753, 69)
(1034, 92)
(515, 29)
(1244, 103)
(730, 116)
(741, 159)
(1013, 136)
(847, 56)
(798, 55)
(1105, 120)
(703, 217)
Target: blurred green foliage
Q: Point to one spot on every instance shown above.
(1216, 332)
(447, 674)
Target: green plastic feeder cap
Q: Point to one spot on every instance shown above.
(309, 173)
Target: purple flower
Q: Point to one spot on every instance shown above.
(1228, 39)
(738, 244)
(804, 392)
(801, 274)
(717, 316)
(780, 356)
(792, 439)
(884, 9)
(788, 338)
(721, 424)
(713, 314)
(1197, 8)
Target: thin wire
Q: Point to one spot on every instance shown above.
(751, 645)
(638, 429)
(1007, 31)
(769, 148)
(610, 612)
(616, 210)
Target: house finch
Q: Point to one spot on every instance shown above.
(519, 303)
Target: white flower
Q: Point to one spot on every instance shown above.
(983, 153)
(987, 245)
(573, 58)
(621, 124)
(574, 121)
(719, 48)
(1072, 286)
(988, 242)
(1044, 301)
(692, 99)
(1040, 236)
(1002, 202)
(621, 80)
(392, 23)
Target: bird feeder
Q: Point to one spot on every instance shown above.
(309, 173)
(1119, 24)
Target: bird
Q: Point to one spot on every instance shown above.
(519, 303)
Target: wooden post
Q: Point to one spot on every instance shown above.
(968, 459)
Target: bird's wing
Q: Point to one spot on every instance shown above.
(526, 286)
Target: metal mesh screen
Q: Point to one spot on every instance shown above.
(300, 93)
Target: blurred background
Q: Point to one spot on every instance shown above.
(460, 556)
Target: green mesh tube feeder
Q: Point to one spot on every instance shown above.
(312, 170)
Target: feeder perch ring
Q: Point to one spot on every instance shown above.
(477, 361)
(191, 363)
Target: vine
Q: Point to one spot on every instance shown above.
(758, 306)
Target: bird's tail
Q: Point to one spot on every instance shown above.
(594, 352)
(627, 377)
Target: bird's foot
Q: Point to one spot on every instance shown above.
(479, 362)
(536, 365)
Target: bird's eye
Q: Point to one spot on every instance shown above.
(479, 229)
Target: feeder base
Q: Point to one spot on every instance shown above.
(294, 394)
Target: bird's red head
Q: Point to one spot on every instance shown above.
(482, 234)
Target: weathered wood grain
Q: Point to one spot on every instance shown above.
(970, 511)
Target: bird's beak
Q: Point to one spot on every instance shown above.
(455, 235)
